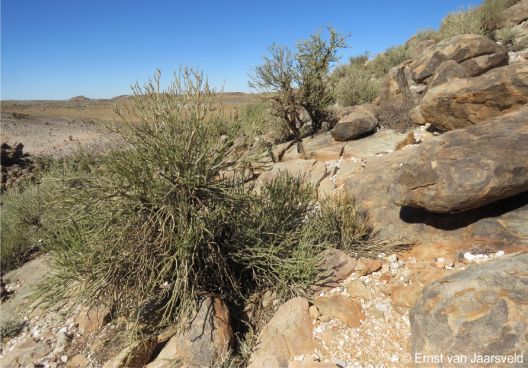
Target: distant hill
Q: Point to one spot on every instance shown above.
(79, 99)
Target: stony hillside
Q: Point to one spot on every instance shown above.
(446, 200)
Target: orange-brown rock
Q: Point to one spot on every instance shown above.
(468, 101)
(341, 307)
(335, 266)
(358, 123)
(286, 335)
(458, 48)
(480, 310)
(92, 319)
(469, 168)
(135, 355)
(208, 338)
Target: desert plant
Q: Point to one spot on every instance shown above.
(511, 38)
(150, 230)
(257, 121)
(423, 38)
(426, 34)
(26, 218)
(356, 86)
(395, 114)
(492, 13)
(297, 82)
(380, 65)
(340, 222)
(158, 224)
(359, 81)
(11, 327)
(21, 224)
(461, 22)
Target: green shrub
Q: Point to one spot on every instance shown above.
(21, 224)
(356, 86)
(341, 223)
(380, 65)
(359, 81)
(257, 121)
(462, 22)
(11, 327)
(157, 224)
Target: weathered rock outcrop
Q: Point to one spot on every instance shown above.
(286, 335)
(357, 123)
(458, 48)
(445, 72)
(481, 310)
(501, 225)
(465, 102)
(469, 168)
(208, 338)
(340, 307)
(516, 14)
(16, 165)
(136, 354)
(398, 87)
(481, 64)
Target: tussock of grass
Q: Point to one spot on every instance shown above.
(462, 22)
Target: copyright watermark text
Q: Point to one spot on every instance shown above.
(419, 358)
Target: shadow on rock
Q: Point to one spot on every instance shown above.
(454, 221)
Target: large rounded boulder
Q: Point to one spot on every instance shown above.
(467, 101)
(478, 316)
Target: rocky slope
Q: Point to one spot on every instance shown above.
(460, 198)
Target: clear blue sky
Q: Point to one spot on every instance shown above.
(56, 49)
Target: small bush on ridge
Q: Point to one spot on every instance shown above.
(462, 22)
(293, 83)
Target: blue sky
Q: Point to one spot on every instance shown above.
(56, 49)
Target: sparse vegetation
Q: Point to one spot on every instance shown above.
(462, 22)
(396, 114)
(157, 224)
(511, 38)
(359, 81)
(21, 224)
(354, 84)
(482, 20)
(257, 121)
(423, 38)
(297, 83)
(11, 327)
(380, 65)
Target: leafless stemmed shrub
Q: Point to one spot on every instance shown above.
(297, 83)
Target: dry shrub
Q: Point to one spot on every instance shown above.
(395, 114)
(356, 86)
